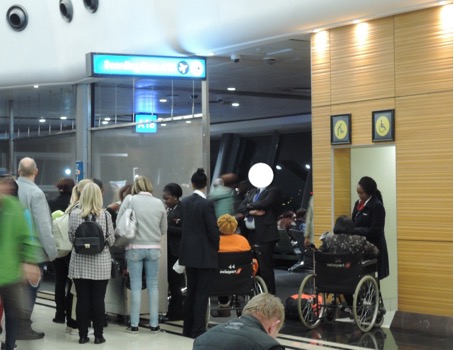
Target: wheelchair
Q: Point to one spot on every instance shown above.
(319, 295)
(235, 279)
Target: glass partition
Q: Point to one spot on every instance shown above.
(172, 154)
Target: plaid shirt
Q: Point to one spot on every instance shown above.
(96, 266)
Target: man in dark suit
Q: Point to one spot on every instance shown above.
(261, 206)
(198, 253)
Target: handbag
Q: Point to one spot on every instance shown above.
(126, 228)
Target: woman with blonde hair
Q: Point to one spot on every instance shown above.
(144, 250)
(91, 273)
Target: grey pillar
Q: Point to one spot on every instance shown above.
(206, 129)
(83, 120)
(12, 166)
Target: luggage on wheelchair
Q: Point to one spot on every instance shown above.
(291, 305)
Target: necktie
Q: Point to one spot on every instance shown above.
(360, 206)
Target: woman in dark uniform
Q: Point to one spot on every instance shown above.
(171, 197)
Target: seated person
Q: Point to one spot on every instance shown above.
(230, 242)
(344, 241)
(261, 320)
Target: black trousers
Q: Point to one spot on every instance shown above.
(63, 296)
(264, 254)
(196, 302)
(90, 305)
(176, 283)
(15, 311)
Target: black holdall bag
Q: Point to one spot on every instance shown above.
(89, 237)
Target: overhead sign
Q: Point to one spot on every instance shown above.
(79, 172)
(102, 64)
(148, 123)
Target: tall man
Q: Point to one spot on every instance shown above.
(199, 253)
(34, 199)
(260, 209)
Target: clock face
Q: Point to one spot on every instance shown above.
(340, 129)
(382, 126)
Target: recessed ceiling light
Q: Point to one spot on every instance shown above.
(107, 119)
(42, 120)
(36, 86)
(63, 117)
(235, 104)
(231, 88)
(356, 21)
(188, 122)
(163, 124)
(163, 100)
(104, 122)
(316, 30)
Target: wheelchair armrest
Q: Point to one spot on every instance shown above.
(369, 262)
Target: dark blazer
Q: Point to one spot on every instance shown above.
(370, 223)
(61, 202)
(174, 230)
(200, 234)
(265, 225)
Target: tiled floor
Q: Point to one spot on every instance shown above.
(340, 335)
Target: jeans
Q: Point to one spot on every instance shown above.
(63, 296)
(137, 259)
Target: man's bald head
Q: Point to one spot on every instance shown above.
(27, 167)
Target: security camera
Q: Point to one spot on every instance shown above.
(235, 58)
(270, 60)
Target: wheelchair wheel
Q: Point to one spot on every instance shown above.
(310, 309)
(258, 288)
(365, 303)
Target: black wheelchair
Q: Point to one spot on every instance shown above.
(236, 280)
(319, 295)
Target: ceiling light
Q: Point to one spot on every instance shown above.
(356, 21)
(231, 88)
(63, 117)
(104, 122)
(107, 119)
(188, 122)
(278, 167)
(42, 120)
(316, 30)
(36, 86)
(163, 100)
(235, 104)
(308, 166)
(441, 3)
(68, 171)
(163, 124)
(177, 118)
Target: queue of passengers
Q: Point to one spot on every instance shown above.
(193, 231)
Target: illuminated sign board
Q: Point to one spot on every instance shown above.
(148, 126)
(101, 64)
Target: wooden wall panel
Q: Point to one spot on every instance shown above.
(321, 167)
(425, 277)
(423, 52)
(362, 61)
(320, 70)
(342, 185)
(424, 174)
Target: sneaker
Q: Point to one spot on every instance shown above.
(4, 346)
(155, 330)
(133, 330)
(30, 335)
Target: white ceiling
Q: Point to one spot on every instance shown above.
(51, 52)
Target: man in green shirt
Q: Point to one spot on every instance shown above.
(18, 254)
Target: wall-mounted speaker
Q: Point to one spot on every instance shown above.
(17, 17)
(66, 10)
(91, 5)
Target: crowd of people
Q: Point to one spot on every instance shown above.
(198, 227)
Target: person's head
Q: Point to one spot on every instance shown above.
(27, 168)
(343, 225)
(227, 224)
(77, 190)
(269, 310)
(90, 200)
(8, 186)
(366, 188)
(199, 179)
(171, 194)
(301, 214)
(65, 185)
(99, 183)
(124, 191)
(141, 184)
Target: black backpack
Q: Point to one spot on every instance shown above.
(89, 237)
